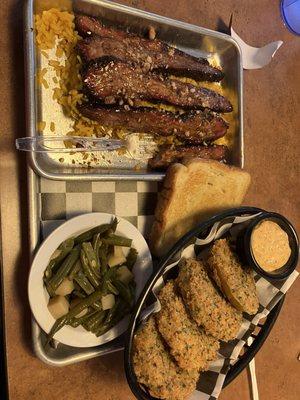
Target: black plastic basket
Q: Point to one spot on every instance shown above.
(259, 335)
(258, 340)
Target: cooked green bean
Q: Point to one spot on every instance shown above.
(131, 258)
(94, 322)
(58, 324)
(112, 288)
(75, 269)
(114, 315)
(85, 303)
(78, 293)
(132, 288)
(97, 242)
(74, 322)
(114, 225)
(110, 275)
(97, 305)
(108, 320)
(91, 257)
(88, 270)
(112, 229)
(92, 319)
(124, 291)
(88, 235)
(116, 240)
(63, 271)
(83, 282)
(102, 253)
(98, 324)
(122, 310)
(62, 251)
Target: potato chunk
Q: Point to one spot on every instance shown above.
(58, 306)
(66, 287)
(117, 257)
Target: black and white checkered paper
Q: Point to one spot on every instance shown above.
(132, 200)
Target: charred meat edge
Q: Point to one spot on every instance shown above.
(192, 127)
(112, 81)
(171, 154)
(105, 41)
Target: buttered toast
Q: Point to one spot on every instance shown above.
(192, 192)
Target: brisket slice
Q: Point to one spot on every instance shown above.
(169, 155)
(153, 54)
(86, 26)
(192, 127)
(112, 81)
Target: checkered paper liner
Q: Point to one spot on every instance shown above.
(134, 201)
(211, 382)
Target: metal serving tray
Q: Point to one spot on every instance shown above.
(192, 39)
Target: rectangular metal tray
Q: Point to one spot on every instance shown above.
(192, 39)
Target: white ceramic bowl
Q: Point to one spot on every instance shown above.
(38, 295)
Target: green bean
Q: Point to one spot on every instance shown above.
(88, 270)
(75, 269)
(89, 322)
(116, 240)
(124, 291)
(83, 282)
(132, 288)
(58, 324)
(97, 305)
(91, 257)
(79, 294)
(96, 245)
(102, 253)
(62, 251)
(98, 323)
(88, 235)
(122, 310)
(93, 323)
(131, 258)
(85, 303)
(112, 229)
(114, 315)
(108, 320)
(76, 286)
(112, 288)
(63, 271)
(110, 275)
(114, 225)
(74, 322)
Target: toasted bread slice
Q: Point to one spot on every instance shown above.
(236, 283)
(192, 192)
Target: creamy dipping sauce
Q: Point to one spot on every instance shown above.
(270, 245)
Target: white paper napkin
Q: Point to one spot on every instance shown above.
(256, 57)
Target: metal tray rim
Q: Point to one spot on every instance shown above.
(31, 98)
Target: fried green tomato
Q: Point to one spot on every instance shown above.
(191, 347)
(205, 304)
(235, 282)
(155, 368)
